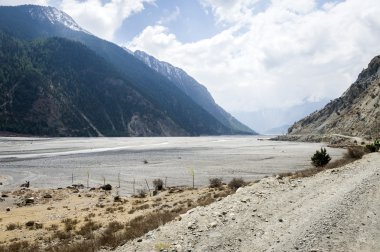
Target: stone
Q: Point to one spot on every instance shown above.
(48, 196)
(29, 200)
(213, 224)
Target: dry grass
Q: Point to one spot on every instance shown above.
(353, 153)
(23, 246)
(13, 226)
(87, 231)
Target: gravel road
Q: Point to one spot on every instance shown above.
(336, 210)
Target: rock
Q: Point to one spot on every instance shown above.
(4, 195)
(29, 224)
(8, 209)
(29, 200)
(48, 196)
(280, 220)
(106, 187)
(213, 224)
(139, 240)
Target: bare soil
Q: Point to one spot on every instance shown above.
(335, 210)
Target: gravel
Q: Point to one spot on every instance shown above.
(336, 210)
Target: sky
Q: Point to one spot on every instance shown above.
(251, 54)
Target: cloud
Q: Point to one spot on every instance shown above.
(274, 56)
(170, 17)
(21, 2)
(102, 19)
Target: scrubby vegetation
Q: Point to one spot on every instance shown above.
(236, 183)
(320, 158)
(158, 184)
(216, 182)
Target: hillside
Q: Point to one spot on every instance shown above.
(355, 113)
(195, 91)
(57, 87)
(31, 22)
(335, 210)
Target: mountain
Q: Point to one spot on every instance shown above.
(355, 113)
(57, 87)
(195, 90)
(30, 22)
(273, 120)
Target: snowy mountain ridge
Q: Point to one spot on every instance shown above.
(55, 16)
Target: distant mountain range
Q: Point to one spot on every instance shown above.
(193, 89)
(355, 113)
(278, 120)
(53, 85)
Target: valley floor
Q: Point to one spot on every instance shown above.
(335, 210)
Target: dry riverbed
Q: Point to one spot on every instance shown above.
(335, 210)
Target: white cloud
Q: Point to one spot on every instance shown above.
(170, 17)
(21, 2)
(278, 56)
(101, 19)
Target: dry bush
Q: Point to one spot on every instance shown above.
(338, 163)
(87, 229)
(143, 207)
(205, 200)
(53, 227)
(158, 184)
(110, 210)
(13, 226)
(141, 193)
(61, 235)
(70, 224)
(356, 152)
(216, 182)
(235, 183)
(372, 148)
(23, 246)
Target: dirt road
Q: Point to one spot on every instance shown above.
(336, 210)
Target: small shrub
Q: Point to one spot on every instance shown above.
(70, 224)
(13, 226)
(355, 152)
(38, 225)
(215, 182)
(320, 158)
(61, 235)
(115, 226)
(141, 193)
(372, 148)
(87, 229)
(158, 184)
(53, 227)
(235, 183)
(143, 207)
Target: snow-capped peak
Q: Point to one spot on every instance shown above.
(55, 16)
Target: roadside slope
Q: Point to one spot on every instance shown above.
(336, 210)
